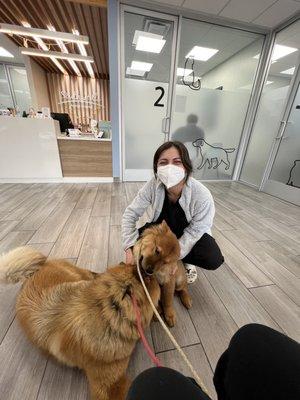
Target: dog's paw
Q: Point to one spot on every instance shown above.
(186, 300)
(170, 318)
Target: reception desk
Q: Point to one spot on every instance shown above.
(85, 156)
(28, 149)
(33, 149)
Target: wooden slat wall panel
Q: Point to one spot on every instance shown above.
(63, 16)
(83, 86)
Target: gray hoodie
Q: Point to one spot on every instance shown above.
(196, 202)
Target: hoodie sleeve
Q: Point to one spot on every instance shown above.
(133, 212)
(201, 222)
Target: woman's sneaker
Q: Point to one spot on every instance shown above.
(191, 273)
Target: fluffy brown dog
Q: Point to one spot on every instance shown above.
(81, 318)
(158, 253)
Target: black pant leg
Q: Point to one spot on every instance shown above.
(259, 364)
(164, 384)
(205, 253)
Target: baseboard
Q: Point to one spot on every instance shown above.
(72, 179)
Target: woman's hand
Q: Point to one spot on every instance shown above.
(129, 256)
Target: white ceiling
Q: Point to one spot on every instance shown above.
(266, 13)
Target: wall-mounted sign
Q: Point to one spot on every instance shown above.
(77, 100)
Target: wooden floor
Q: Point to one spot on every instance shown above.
(258, 234)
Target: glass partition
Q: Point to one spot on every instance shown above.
(284, 61)
(5, 94)
(14, 88)
(215, 74)
(148, 48)
(20, 87)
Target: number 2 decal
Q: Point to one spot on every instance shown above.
(157, 103)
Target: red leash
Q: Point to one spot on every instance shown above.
(150, 352)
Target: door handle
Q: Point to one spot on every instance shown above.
(282, 128)
(165, 124)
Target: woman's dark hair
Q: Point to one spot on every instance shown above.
(183, 152)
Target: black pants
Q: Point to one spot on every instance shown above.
(259, 364)
(205, 253)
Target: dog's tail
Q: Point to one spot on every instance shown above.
(19, 264)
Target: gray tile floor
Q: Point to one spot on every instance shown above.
(258, 234)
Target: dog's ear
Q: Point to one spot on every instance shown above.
(165, 226)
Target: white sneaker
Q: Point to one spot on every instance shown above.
(191, 273)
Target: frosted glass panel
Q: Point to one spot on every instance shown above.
(216, 70)
(147, 56)
(286, 168)
(20, 87)
(272, 104)
(5, 95)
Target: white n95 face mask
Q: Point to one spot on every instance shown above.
(170, 174)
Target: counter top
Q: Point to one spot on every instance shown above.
(83, 137)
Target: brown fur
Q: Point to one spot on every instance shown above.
(81, 318)
(158, 252)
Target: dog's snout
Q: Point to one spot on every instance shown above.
(149, 270)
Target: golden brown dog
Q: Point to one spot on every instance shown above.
(158, 253)
(81, 318)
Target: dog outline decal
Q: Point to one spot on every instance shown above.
(219, 155)
(292, 176)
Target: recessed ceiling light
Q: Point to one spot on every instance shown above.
(130, 71)
(141, 66)
(5, 53)
(279, 52)
(201, 53)
(289, 71)
(282, 51)
(147, 41)
(184, 71)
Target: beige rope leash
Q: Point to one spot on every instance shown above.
(166, 329)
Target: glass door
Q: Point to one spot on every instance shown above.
(148, 51)
(273, 109)
(215, 75)
(284, 177)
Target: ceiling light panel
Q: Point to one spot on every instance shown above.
(289, 71)
(282, 51)
(135, 72)
(201, 53)
(147, 41)
(141, 66)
